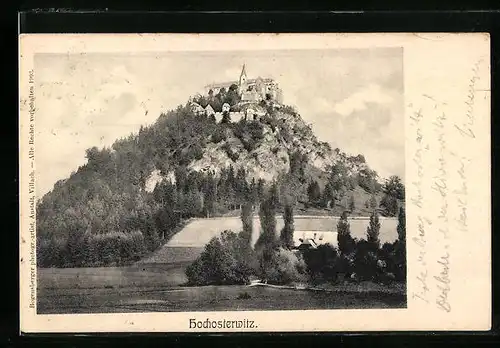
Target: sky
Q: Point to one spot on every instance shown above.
(353, 98)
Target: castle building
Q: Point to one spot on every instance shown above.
(250, 90)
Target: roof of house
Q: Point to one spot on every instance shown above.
(222, 84)
(229, 83)
(308, 243)
(267, 79)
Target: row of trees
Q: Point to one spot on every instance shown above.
(338, 190)
(232, 259)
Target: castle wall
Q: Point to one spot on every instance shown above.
(251, 90)
(235, 116)
(250, 96)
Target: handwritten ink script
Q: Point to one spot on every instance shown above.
(439, 194)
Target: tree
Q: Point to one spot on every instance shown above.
(298, 164)
(352, 204)
(209, 192)
(267, 215)
(373, 202)
(400, 250)
(241, 186)
(232, 97)
(222, 262)
(314, 192)
(274, 197)
(226, 118)
(286, 236)
(328, 196)
(390, 205)
(260, 189)
(394, 187)
(402, 225)
(373, 231)
(247, 220)
(344, 238)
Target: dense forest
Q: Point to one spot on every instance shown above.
(103, 215)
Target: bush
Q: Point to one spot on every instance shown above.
(250, 133)
(50, 252)
(233, 155)
(219, 135)
(282, 266)
(322, 263)
(89, 250)
(197, 152)
(243, 296)
(395, 257)
(115, 247)
(366, 265)
(390, 205)
(226, 260)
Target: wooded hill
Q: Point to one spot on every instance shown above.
(104, 212)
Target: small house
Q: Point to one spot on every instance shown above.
(313, 239)
(209, 110)
(197, 108)
(307, 244)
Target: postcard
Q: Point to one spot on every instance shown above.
(255, 182)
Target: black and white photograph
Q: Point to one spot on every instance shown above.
(216, 181)
(254, 182)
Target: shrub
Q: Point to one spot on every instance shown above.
(243, 296)
(230, 153)
(282, 266)
(322, 263)
(50, 252)
(88, 250)
(395, 257)
(249, 133)
(366, 262)
(225, 260)
(219, 135)
(197, 152)
(390, 205)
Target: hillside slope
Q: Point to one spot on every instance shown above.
(129, 197)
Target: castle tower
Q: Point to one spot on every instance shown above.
(243, 79)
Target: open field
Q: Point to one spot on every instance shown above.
(146, 275)
(170, 298)
(156, 282)
(198, 232)
(158, 287)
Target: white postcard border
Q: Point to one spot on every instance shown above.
(447, 120)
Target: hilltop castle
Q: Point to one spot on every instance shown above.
(250, 90)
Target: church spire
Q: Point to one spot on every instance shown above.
(243, 75)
